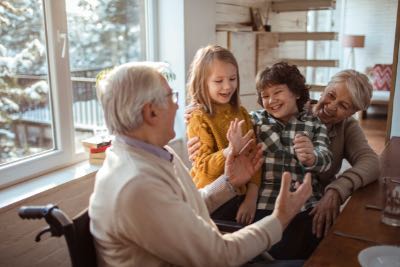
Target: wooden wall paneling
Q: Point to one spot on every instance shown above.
(226, 14)
(222, 39)
(249, 101)
(243, 46)
(296, 5)
(247, 3)
(267, 49)
(304, 36)
(18, 247)
(288, 22)
(292, 50)
(313, 62)
(317, 88)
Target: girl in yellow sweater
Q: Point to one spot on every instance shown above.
(213, 84)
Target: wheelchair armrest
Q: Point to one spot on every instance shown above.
(227, 226)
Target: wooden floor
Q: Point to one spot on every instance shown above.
(374, 127)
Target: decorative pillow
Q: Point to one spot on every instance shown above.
(382, 77)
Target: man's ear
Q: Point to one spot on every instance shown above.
(149, 113)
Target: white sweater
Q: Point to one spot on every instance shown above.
(146, 211)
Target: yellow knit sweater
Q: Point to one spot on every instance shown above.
(211, 130)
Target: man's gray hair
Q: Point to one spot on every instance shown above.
(358, 86)
(126, 89)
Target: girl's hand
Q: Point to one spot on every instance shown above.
(247, 209)
(304, 149)
(235, 137)
(246, 212)
(240, 167)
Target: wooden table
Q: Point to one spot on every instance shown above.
(357, 220)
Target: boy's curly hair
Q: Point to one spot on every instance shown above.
(283, 73)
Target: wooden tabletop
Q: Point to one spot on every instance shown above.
(355, 219)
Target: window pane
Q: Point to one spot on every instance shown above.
(25, 116)
(102, 34)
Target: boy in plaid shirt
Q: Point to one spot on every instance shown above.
(293, 140)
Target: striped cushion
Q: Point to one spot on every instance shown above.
(382, 77)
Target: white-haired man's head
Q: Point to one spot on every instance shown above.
(126, 89)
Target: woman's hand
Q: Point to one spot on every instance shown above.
(304, 149)
(325, 212)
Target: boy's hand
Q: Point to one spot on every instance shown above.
(304, 149)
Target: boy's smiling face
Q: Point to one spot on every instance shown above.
(279, 102)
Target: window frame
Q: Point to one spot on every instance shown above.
(61, 96)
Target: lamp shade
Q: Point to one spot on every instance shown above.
(353, 40)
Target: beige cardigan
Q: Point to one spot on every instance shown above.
(349, 142)
(146, 211)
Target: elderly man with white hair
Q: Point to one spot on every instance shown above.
(145, 209)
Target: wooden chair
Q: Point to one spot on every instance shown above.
(76, 231)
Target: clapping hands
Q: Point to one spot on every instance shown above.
(235, 137)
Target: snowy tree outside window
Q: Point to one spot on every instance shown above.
(101, 34)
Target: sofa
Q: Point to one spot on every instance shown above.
(381, 79)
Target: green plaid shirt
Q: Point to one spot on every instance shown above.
(277, 139)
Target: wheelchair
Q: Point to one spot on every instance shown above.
(76, 231)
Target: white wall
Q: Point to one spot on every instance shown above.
(395, 130)
(199, 26)
(377, 21)
(183, 26)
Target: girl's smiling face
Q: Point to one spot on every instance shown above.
(222, 81)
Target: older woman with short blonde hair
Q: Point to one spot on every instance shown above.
(348, 91)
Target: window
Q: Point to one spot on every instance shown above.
(25, 122)
(101, 34)
(47, 76)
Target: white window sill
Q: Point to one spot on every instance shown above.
(27, 189)
(13, 195)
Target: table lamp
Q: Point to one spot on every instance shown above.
(352, 41)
